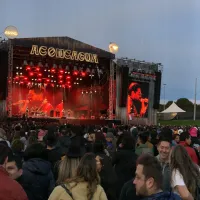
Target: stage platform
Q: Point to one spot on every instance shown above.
(74, 121)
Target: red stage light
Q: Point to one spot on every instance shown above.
(31, 74)
(68, 77)
(60, 76)
(61, 71)
(52, 85)
(21, 82)
(68, 82)
(25, 78)
(48, 80)
(37, 69)
(53, 70)
(61, 82)
(83, 74)
(17, 77)
(75, 73)
(39, 79)
(39, 74)
(28, 68)
(69, 86)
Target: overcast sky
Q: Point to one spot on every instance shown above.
(164, 31)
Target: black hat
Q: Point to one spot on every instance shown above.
(75, 151)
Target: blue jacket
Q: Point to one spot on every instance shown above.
(37, 179)
(163, 196)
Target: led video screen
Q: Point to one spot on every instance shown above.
(138, 100)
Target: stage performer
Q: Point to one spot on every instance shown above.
(137, 106)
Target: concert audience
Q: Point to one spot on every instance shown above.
(49, 152)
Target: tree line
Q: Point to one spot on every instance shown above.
(183, 103)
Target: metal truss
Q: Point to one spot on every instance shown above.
(10, 78)
(111, 89)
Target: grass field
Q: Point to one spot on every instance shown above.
(180, 122)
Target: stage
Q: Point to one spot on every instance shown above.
(56, 77)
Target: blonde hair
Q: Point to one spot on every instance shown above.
(67, 169)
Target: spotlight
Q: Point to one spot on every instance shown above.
(60, 76)
(81, 79)
(74, 83)
(48, 80)
(52, 76)
(77, 83)
(39, 74)
(68, 82)
(82, 92)
(53, 70)
(75, 73)
(95, 91)
(17, 67)
(54, 81)
(68, 72)
(69, 86)
(77, 78)
(83, 74)
(45, 70)
(68, 77)
(25, 78)
(37, 69)
(31, 74)
(28, 68)
(20, 68)
(17, 73)
(21, 73)
(61, 71)
(49, 70)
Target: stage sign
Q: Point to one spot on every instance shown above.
(138, 99)
(64, 54)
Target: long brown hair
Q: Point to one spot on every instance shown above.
(87, 172)
(180, 160)
(67, 169)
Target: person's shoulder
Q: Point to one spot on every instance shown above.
(58, 193)
(175, 197)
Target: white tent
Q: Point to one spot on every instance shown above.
(173, 108)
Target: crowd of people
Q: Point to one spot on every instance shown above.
(41, 161)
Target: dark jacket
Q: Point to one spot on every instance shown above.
(108, 177)
(37, 179)
(10, 189)
(163, 196)
(128, 192)
(124, 162)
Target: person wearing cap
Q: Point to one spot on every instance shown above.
(9, 188)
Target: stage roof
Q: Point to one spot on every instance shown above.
(62, 42)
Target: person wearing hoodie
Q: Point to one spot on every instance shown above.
(148, 180)
(37, 178)
(185, 140)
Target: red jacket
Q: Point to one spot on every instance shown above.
(10, 189)
(191, 152)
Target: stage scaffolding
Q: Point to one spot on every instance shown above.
(111, 89)
(10, 77)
